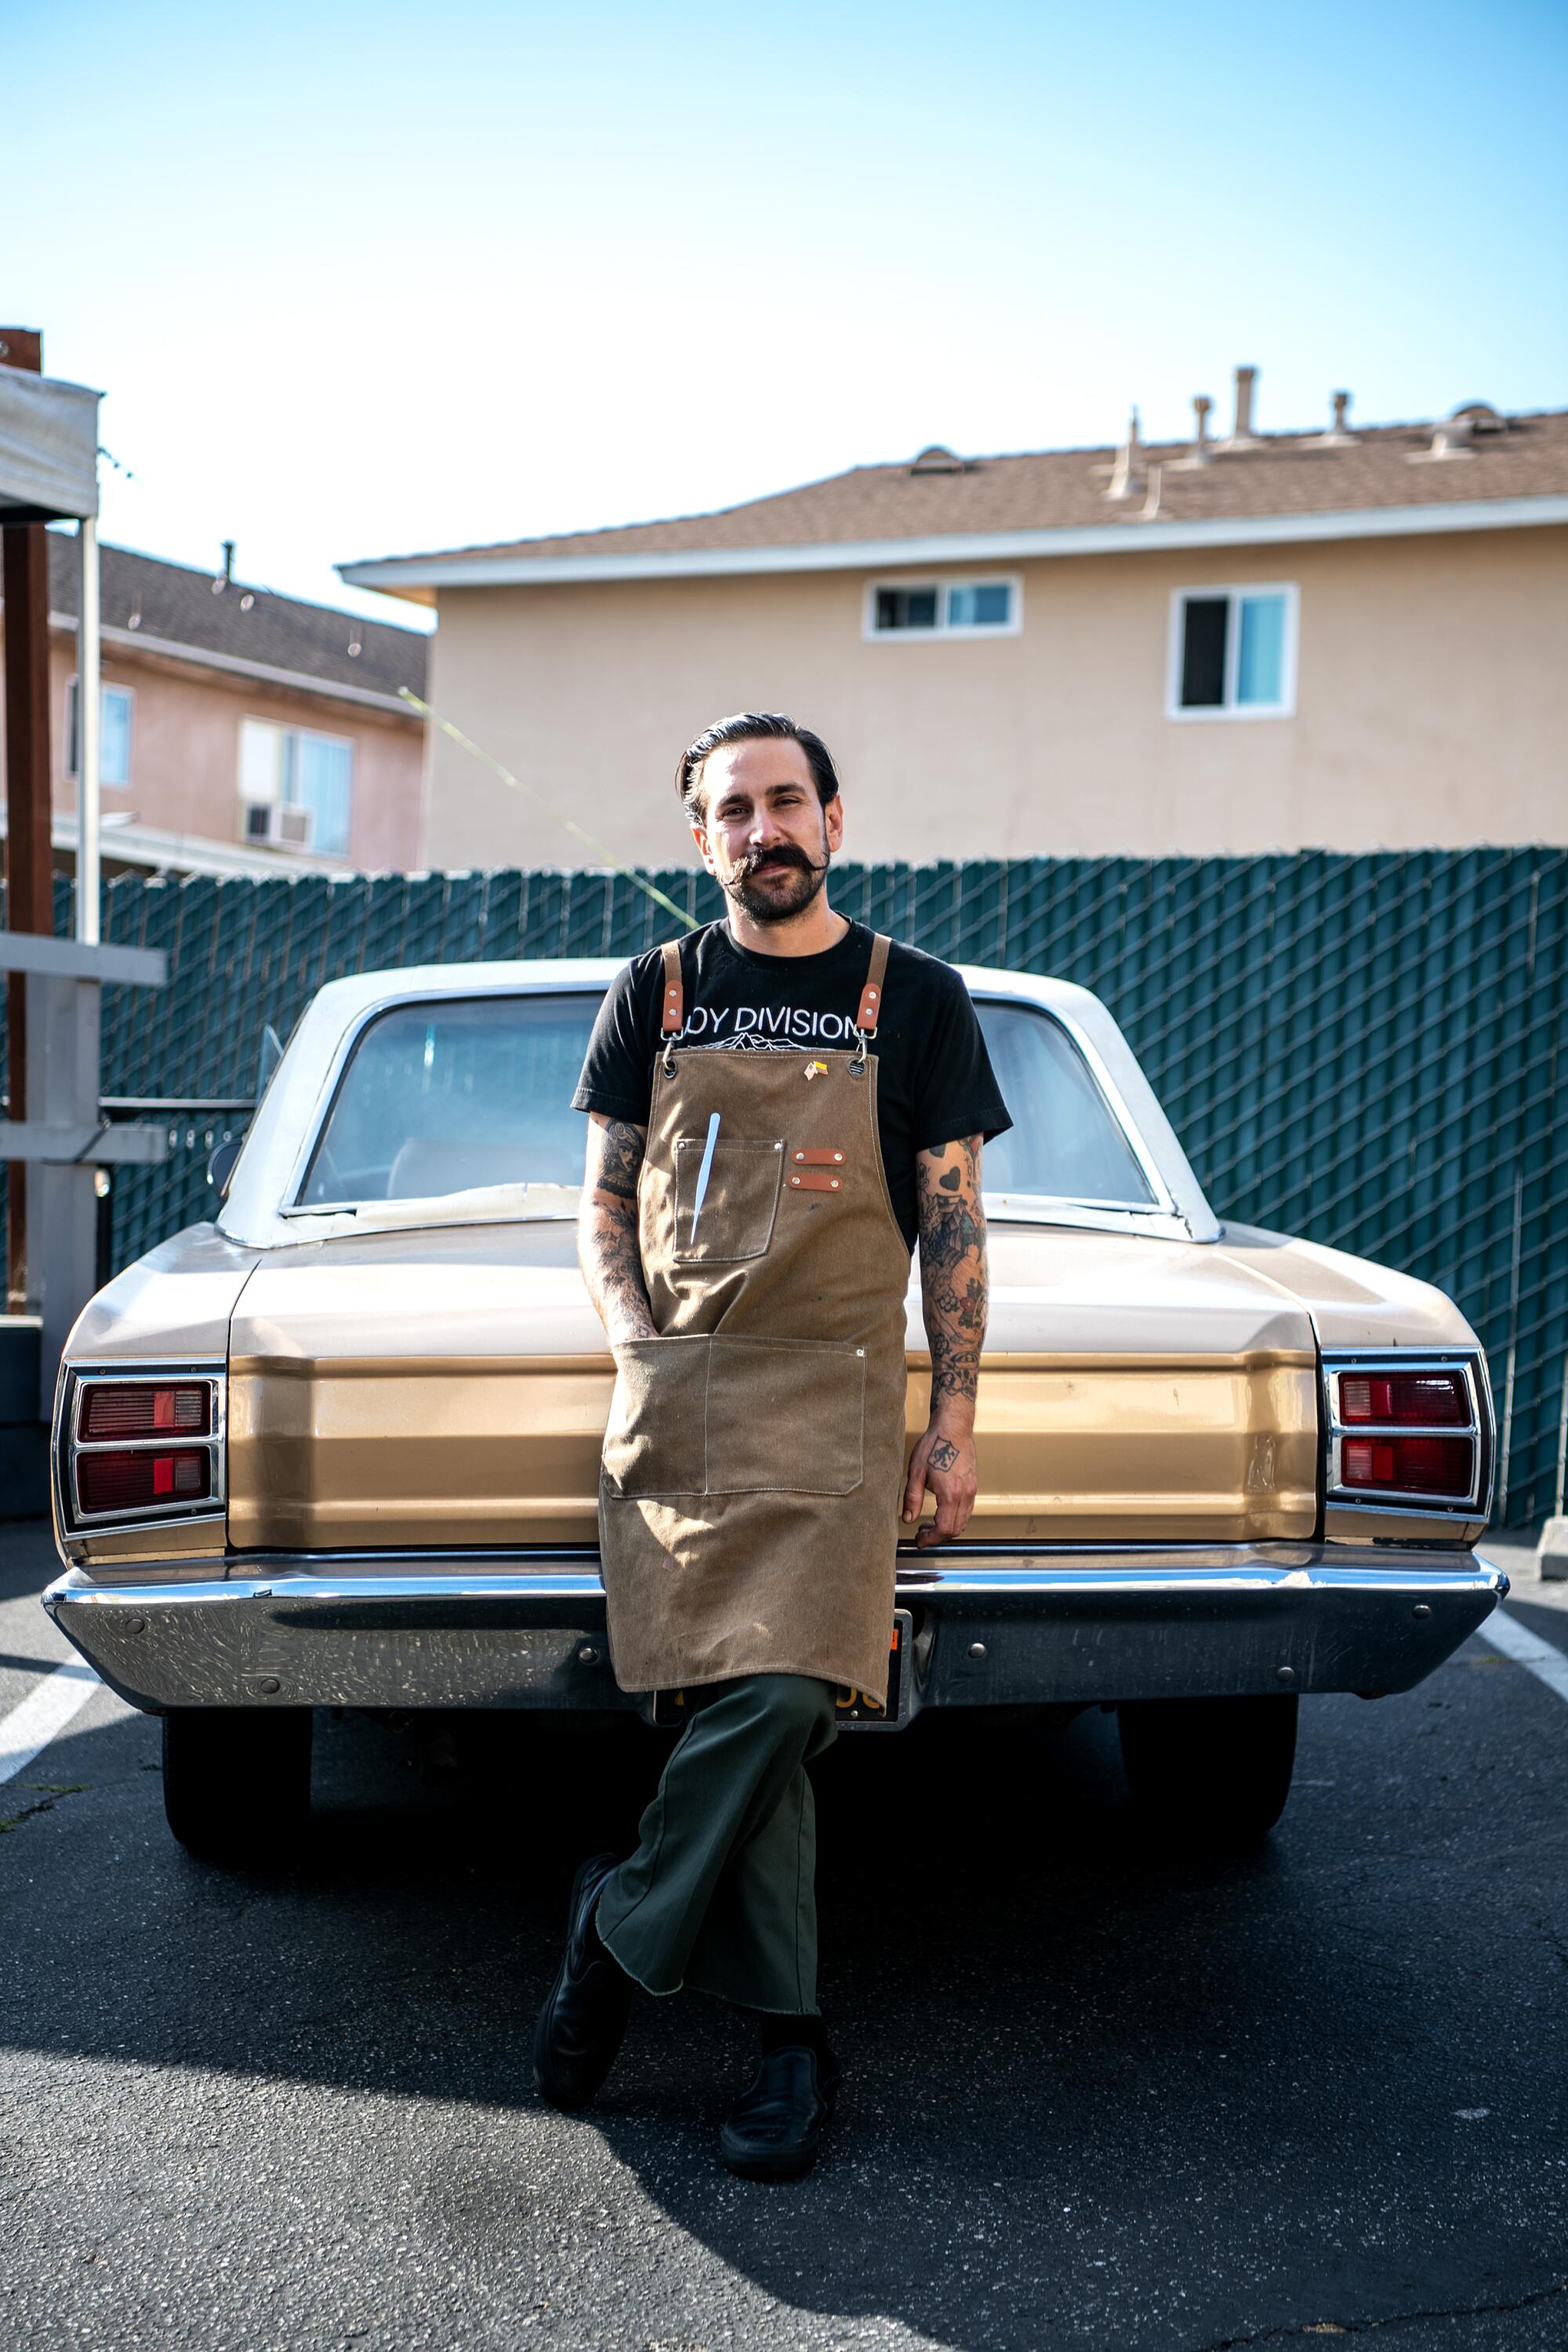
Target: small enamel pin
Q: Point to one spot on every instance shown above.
(814, 1068)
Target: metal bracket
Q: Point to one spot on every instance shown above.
(67, 1134)
(102, 1145)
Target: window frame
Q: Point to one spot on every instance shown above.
(941, 582)
(1233, 590)
(291, 727)
(1158, 1216)
(1121, 1216)
(291, 1204)
(73, 726)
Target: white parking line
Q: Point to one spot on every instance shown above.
(42, 1714)
(1517, 1642)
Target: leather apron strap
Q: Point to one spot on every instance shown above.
(672, 1004)
(870, 1010)
(673, 1011)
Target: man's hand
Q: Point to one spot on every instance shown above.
(608, 1248)
(944, 1465)
(953, 1281)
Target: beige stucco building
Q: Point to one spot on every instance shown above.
(241, 731)
(1346, 639)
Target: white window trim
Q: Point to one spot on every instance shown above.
(1013, 627)
(1231, 709)
(106, 685)
(291, 727)
(317, 734)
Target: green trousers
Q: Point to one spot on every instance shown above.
(721, 1890)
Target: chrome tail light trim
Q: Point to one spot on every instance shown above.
(1478, 1428)
(77, 1380)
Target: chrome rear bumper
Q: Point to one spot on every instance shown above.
(993, 1628)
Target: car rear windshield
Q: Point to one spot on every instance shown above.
(452, 1094)
(1064, 1143)
(442, 1097)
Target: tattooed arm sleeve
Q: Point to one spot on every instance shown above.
(952, 1271)
(608, 1248)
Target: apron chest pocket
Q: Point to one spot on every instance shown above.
(734, 1219)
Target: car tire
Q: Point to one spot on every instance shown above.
(237, 1781)
(1209, 1772)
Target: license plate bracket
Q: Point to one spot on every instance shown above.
(854, 1711)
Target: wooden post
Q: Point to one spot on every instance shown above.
(29, 860)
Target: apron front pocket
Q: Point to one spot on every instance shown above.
(654, 1440)
(785, 1416)
(735, 1218)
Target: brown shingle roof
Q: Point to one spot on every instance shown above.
(176, 605)
(1285, 474)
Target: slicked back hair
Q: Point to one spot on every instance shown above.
(751, 727)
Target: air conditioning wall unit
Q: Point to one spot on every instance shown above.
(281, 823)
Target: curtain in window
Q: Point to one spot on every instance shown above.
(983, 606)
(1260, 654)
(322, 782)
(114, 740)
(114, 706)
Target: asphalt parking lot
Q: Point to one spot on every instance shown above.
(1093, 2096)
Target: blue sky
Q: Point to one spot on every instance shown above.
(358, 281)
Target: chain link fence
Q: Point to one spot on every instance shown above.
(1368, 1051)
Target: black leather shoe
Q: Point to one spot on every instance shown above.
(777, 2124)
(585, 2014)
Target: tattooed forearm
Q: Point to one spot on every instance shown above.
(953, 1268)
(611, 1269)
(618, 1161)
(608, 1248)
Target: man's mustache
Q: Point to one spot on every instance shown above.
(787, 852)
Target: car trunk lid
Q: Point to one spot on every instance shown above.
(450, 1388)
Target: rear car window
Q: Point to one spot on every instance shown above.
(1064, 1144)
(442, 1097)
(464, 1091)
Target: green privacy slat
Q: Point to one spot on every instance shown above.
(1371, 1051)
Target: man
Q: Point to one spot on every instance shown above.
(778, 1105)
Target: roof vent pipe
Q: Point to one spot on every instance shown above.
(1339, 434)
(1450, 440)
(1241, 433)
(1124, 482)
(1202, 451)
(225, 578)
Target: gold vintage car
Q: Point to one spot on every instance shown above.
(341, 1447)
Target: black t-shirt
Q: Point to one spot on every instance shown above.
(934, 1080)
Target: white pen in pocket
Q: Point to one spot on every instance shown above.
(704, 1170)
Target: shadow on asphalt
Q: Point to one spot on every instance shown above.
(1044, 2026)
(1030, 2007)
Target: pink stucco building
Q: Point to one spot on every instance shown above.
(243, 732)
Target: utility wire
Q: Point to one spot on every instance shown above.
(518, 785)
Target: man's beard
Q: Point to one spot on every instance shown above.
(771, 898)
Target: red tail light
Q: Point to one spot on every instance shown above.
(130, 1480)
(1418, 1399)
(1409, 1465)
(138, 1409)
(144, 1447)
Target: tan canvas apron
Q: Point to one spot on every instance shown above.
(751, 1473)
